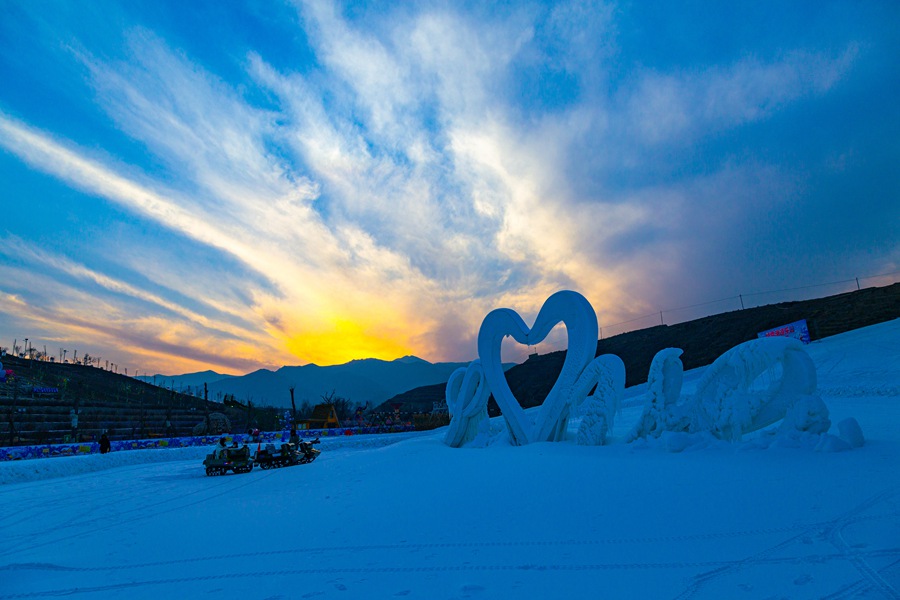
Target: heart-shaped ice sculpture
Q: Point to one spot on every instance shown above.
(576, 313)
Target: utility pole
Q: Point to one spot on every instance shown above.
(293, 409)
(73, 414)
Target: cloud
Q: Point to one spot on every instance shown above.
(59, 299)
(324, 275)
(57, 266)
(428, 165)
(680, 106)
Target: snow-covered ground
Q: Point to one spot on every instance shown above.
(408, 517)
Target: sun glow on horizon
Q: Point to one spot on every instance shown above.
(342, 341)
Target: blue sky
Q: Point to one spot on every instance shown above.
(236, 185)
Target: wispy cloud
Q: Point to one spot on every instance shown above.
(681, 106)
(432, 164)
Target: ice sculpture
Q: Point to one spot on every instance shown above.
(467, 396)
(725, 402)
(598, 410)
(575, 380)
(751, 386)
(662, 411)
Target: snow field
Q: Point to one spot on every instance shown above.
(666, 518)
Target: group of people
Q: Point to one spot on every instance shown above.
(222, 445)
(220, 450)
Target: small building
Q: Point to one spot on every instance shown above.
(323, 417)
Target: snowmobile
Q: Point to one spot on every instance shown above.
(309, 453)
(287, 455)
(234, 459)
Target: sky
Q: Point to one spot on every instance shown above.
(245, 185)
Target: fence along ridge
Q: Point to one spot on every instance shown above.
(742, 296)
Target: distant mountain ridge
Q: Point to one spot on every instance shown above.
(363, 380)
(184, 381)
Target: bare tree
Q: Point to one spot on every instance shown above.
(306, 409)
(249, 412)
(343, 407)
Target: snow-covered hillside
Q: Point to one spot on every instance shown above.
(408, 517)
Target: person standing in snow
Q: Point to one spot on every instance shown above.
(104, 443)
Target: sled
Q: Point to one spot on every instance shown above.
(235, 459)
(287, 455)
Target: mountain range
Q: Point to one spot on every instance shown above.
(360, 381)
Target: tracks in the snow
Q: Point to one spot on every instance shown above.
(830, 529)
(388, 570)
(131, 515)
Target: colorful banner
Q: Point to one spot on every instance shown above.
(45, 390)
(797, 329)
(51, 450)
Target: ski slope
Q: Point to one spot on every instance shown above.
(408, 517)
